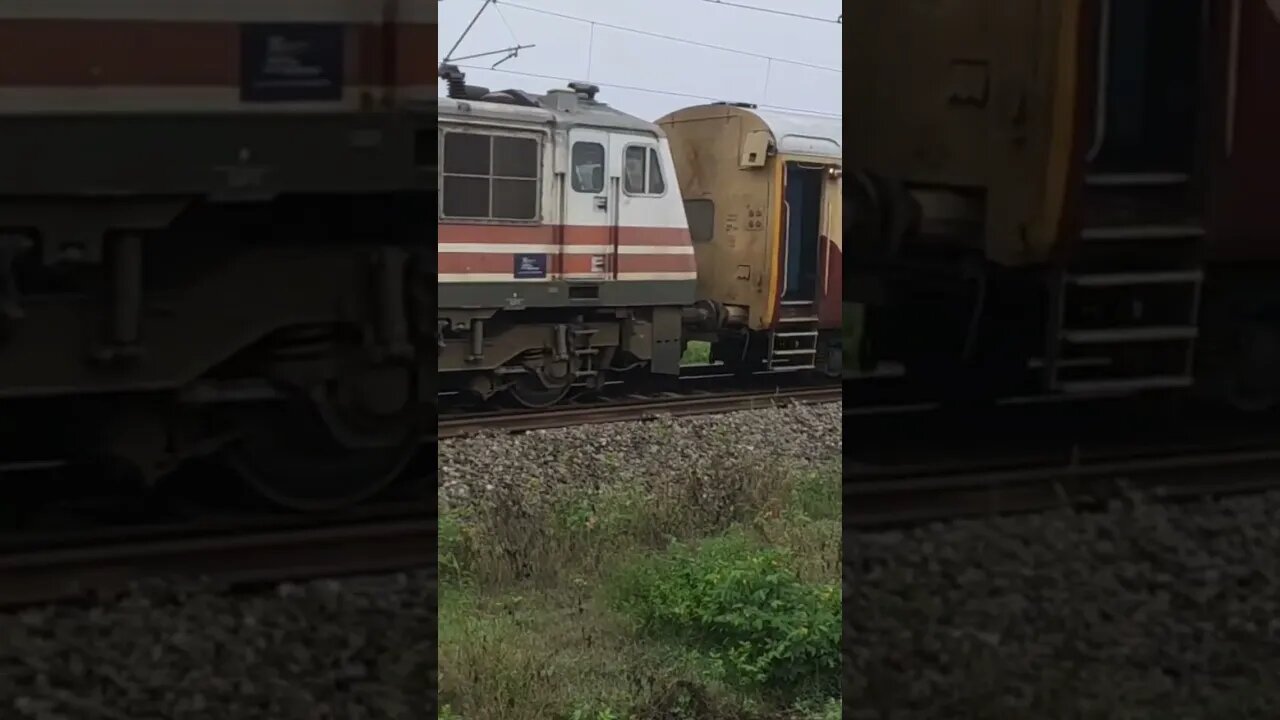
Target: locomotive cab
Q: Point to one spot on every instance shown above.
(762, 193)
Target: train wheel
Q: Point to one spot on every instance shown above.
(532, 391)
(545, 383)
(289, 454)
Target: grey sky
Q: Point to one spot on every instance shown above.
(609, 57)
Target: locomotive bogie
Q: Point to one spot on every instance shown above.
(484, 345)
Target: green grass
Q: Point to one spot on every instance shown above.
(743, 608)
(708, 598)
(696, 352)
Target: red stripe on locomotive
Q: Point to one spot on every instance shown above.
(596, 235)
(95, 53)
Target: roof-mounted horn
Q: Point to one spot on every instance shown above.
(585, 89)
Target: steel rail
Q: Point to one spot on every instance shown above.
(207, 525)
(631, 409)
(884, 496)
(109, 567)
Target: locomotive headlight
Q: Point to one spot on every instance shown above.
(834, 172)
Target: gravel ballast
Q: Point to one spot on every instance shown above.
(1142, 611)
(795, 436)
(356, 648)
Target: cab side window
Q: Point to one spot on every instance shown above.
(643, 172)
(634, 182)
(657, 185)
(588, 167)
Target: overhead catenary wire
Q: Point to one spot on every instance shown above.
(664, 36)
(784, 13)
(769, 59)
(634, 88)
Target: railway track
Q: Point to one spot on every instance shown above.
(921, 465)
(101, 564)
(631, 408)
(880, 496)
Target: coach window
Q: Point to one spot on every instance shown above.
(489, 177)
(643, 172)
(588, 167)
(701, 216)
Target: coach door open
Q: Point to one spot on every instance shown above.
(794, 342)
(804, 214)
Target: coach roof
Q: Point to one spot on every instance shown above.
(562, 108)
(801, 134)
(793, 133)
